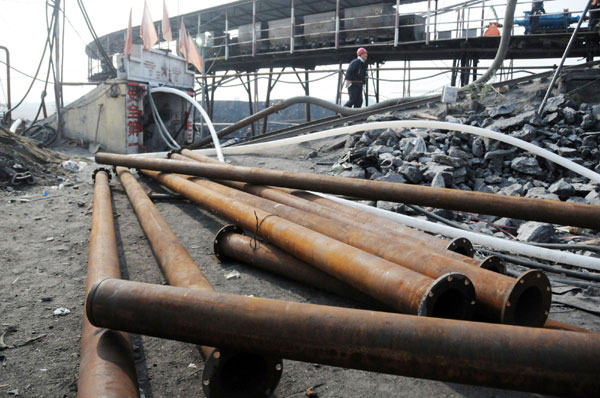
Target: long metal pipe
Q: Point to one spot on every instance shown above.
(231, 244)
(522, 301)
(223, 369)
(348, 215)
(106, 367)
(400, 288)
(574, 214)
(529, 359)
(8, 104)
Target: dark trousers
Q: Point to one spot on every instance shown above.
(355, 93)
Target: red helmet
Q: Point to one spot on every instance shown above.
(361, 51)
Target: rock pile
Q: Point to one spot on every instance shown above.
(468, 162)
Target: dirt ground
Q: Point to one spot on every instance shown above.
(43, 257)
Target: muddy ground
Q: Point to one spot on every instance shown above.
(43, 256)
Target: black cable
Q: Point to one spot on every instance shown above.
(38, 67)
(571, 282)
(567, 246)
(436, 217)
(546, 267)
(95, 37)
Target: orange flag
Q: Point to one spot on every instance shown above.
(129, 37)
(166, 25)
(193, 55)
(183, 41)
(147, 30)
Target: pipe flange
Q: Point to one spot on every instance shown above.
(461, 246)
(99, 169)
(452, 296)
(227, 229)
(174, 151)
(494, 264)
(240, 374)
(528, 302)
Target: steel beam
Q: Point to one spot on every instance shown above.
(106, 367)
(402, 289)
(529, 359)
(574, 214)
(223, 368)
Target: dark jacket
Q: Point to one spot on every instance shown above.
(357, 71)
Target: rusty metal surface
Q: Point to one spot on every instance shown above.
(106, 368)
(323, 207)
(231, 244)
(529, 359)
(400, 288)
(575, 214)
(224, 371)
(522, 301)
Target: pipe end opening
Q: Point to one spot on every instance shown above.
(494, 264)
(223, 232)
(461, 246)
(240, 374)
(451, 296)
(528, 303)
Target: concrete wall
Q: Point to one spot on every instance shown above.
(81, 120)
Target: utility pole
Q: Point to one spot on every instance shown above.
(57, 80)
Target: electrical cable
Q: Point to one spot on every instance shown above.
(99, 46)
(549, 268)
(162, 129)
(38, 67)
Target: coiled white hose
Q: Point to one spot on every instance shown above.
(211, 128)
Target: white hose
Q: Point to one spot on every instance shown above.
(15, 125)
(426, 124)
(477, 238)
(162, 129)
(192, 101)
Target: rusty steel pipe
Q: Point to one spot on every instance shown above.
(400, 288)
(522, 301)
(503, 356)
(231, 244)
(106, 367)
(226, 373)
(575, 214)
(360, 218)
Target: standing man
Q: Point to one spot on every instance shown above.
(355, 79)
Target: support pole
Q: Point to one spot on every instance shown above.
(428, 22)
(8, 117)
(106, 367)
(337, 24)
(340, 86)
(57, 81)
(226, 33)
(537, 360)
(377, 84)
(307, 93)
(482, 18)
(254, 30)
(397, 24)
(292, 27)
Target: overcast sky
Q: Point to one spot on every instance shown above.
(23, 31)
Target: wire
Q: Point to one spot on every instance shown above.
(34, 78)
(99, 47)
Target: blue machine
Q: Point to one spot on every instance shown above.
(547, 22)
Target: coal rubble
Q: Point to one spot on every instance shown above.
(468, 162)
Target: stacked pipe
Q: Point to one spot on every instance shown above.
(351, 253)
(227, 373)
(523, 301)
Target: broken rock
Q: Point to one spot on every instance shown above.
(534, 231)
